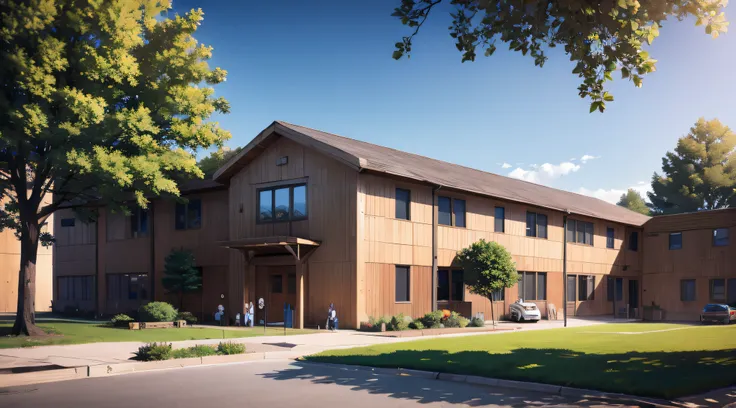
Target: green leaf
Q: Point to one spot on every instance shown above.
(634, 25)
(397, 54)
(595, 105)
(607, 97)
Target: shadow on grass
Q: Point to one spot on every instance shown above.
(426, 391)
(661, 374)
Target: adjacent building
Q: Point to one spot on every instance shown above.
(307, 218)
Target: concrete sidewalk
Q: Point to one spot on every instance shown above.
(291, 346)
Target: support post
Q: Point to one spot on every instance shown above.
(300, 295)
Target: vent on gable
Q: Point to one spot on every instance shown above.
(282, 160)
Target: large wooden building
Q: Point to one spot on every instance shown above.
(309, 218)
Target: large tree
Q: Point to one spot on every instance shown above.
(488, 269)
(700, 174)
(600, 37)
(210, 163)
(632, 200)
(100, 100)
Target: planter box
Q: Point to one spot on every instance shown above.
(134, 326)
(653, 314)
(180, 323)
(157, 325)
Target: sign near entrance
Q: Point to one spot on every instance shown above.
(261, 303)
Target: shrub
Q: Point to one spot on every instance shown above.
(157, 312)
(153, 352)
(432, 320)
(367, 326)
(455, 320)
(188, 317)
(381, 320)
(416, 325)
(398, 323)
(463, 321)
(196, 351)
(230, 348)
(120, 320)
(476, 322)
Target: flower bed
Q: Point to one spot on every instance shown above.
(440, 319)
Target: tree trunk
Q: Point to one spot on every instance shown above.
(493, 313)
(25, 318)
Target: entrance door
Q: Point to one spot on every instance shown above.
(633, 297)
(571, 295)
(279, 283)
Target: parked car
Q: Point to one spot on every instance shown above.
(525, 311)
(718, 313)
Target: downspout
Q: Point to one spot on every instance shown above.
(564, 267)
(434, 246)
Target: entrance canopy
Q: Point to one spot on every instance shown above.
(299, 248)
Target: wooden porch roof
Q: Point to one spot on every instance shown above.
(277, 245)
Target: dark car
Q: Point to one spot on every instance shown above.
(718, 313)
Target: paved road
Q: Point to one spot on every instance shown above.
(271, 384)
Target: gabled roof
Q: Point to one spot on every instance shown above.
(366, 156)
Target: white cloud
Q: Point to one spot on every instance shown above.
(545, 172)
(587, 157)
(506, 166)
(614, 194)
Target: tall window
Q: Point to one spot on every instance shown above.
(675, 240)
(189, 215)
(634, 241)
(720, 237)
(139, 222)
(403, 284)
(586, 287)
(458, 286)
(127, 286)
(609, 238)
(687, 290)
(619, 289)
(499, 219)
(533, 285)
(731, 292)
(450, 285)
(77, 288)
(579, 232)
(500, 295)
(277, 204)
(536, 225)
(609, 289)
(717, 290)
(403, 202)
(443, 285)
(451, 211)
(571, 282)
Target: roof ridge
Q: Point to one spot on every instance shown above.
(447, 162)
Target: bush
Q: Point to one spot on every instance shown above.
(398, 323)
(230, 348)
(455, 320)
(476, 322)
(416, 325)
(432, 320)
(188, 317)
(463, 321)
(196, 351)
(153, 352)
(367, 327)
(120, 320)
(381, 320)
(157, 312)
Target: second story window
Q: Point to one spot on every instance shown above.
(499, 220)
(189, 215)
(403, 202)
(675, 240)
(139, 222)
(277, 204)
(609, 238)
(634, 241)
(536, 225)
(720, 236)
(579, 232)
(451, 211)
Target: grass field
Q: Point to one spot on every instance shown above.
(658, 360)
(70, 332)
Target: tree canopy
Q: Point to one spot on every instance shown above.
(701, 172)
(181, 274)
(488, 268)
(600, 37)
(100, 100)
(210, 163)
(632, 200)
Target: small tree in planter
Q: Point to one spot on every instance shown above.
(488, 269)
(181, 274)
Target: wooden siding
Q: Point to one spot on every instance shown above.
(331, 203)
(388, 241)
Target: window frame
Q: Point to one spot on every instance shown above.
(585, 293)
(407, 268)
(453, 218)
(536, 223)
(574, 292)
(610, 237)
(136, 218)
(715, 239)
(496, 219)
(408, 204)
(631, 240)
(450, 272)
(67, 282)
(670, 243)
(710, 290)
(579, 231)
(682, 291)
(290, 217)
(535, 279)
(185, 207)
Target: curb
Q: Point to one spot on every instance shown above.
(563, 391)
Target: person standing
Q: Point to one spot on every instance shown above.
(251, 313)
(246, 314)
(332, 318)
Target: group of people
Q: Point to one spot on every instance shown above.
(249, 316)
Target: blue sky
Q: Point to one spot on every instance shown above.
(327, 65)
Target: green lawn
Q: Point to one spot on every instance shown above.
(667, 364)
(70, 332)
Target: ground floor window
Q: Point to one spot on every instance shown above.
(499, 295)
(731, 292)
(687, 290)
(717, 290)
(77, 288)
(571, 282)
(586, 287)
(133, 286)
(450, 285)
(403, 284)
(533, 285)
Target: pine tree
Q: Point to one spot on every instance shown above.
(634, 202)
(700, 174)
(181, 274)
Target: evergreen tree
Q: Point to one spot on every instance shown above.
(634, 202)
(181, 274)
(700, 174)
(99, 100)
